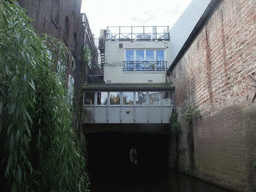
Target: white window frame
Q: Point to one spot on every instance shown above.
(145, 56)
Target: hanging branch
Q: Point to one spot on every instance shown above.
(37, 137)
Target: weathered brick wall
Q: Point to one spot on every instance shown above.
(42, 13)
(213, 74)
(50, 17)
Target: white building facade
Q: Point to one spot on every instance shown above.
(136, 62)
(135, 89)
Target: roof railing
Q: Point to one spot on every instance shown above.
(140, 33)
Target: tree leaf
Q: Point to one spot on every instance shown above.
(28, 116)
(8, 165)
(11, 142)
(32, 84)
(17, 136)
(19, 174)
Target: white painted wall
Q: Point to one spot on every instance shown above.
(114, 57)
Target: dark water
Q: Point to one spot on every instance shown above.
(111, 168)
(140, 179)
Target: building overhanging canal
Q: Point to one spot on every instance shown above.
(128, 103)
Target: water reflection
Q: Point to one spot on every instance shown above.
(139, 179)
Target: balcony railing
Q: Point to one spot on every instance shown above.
(145, 65)
(146, 33)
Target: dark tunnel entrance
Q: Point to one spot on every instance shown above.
(113, 150)
(110, 168)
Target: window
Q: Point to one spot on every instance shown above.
(115, 98)
(141, 98)
(128, 98)
(160, 58)
(160, 55)
(74, 11)
(129, 59)
(102, 98)
(75, 41)
(154, 98)
(139, 55)
(166, 98)
(150, 58)
(138, 98)
(141, 60)
(55, 11)
(89, 98)
(66, 32)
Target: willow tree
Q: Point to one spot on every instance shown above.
(39, 149)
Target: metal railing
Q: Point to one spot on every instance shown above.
(145, 65)
(147, 33)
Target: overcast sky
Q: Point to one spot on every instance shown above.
(102, 13)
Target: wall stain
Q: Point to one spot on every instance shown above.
(223, 37)
(208, 66)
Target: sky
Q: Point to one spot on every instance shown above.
(103, 13)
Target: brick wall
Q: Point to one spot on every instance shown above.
(50, 17)
(213, 74)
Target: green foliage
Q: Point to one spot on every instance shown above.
(175, 126)
(41, 151)
(86, 55)
(254, 164)
(190, 113)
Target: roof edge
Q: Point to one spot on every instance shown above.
(129, 87)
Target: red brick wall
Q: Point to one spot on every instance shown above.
(41, 11)
(213, 74)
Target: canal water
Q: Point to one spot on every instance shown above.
(136, 162)
(142, 179)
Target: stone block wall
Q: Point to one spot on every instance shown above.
(219, 145)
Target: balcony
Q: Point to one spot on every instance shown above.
(145, 65)
(145, 33)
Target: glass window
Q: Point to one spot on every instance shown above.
(89, 98)
(139, 59)
(160, 55)
(149, 55)
(139, 55)
(129, 60)
(115, 98)
(166, 98)
(128, 98)
(130, 55)
(150, 59)
(141, 98)
(66, 33)
(154, 98)
(55, 12)
(160, 59)
(102, 98)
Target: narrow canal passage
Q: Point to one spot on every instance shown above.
(112, 165)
